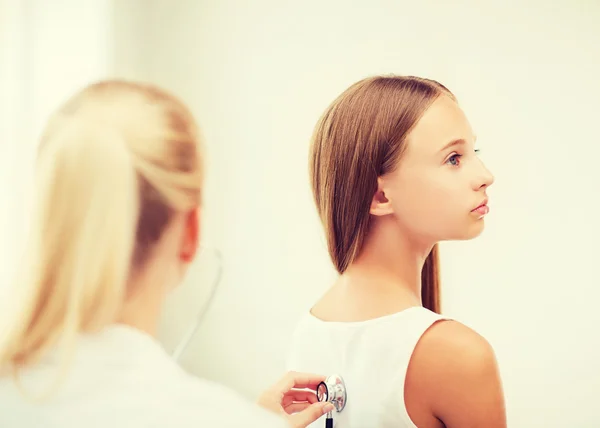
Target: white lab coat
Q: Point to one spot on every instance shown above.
(122, 377)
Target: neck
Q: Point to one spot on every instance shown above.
(143, 307)
(390, 261)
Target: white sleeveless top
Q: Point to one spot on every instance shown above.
(371, 356)
(123, 378)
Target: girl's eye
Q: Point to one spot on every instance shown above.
(454, 160)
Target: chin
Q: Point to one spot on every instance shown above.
(474, 230)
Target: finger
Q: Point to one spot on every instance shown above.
(310, 414)
(296, 407)
(287, 400)
(299, 380)
(294, 395)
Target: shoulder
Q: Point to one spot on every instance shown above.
(455, 369)
(452, 345)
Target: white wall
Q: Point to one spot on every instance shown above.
(11, 122)
(259, 73)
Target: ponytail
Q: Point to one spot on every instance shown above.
(430, 282)
(113, 165)
(77, 262)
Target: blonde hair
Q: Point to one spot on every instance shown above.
(114, 164)
(360, 137)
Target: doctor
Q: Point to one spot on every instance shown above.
(115, 226)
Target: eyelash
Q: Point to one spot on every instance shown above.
(458, 156)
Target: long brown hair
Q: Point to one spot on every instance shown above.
(360, 137)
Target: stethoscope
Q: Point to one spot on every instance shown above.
(333, 390)
(191, 331)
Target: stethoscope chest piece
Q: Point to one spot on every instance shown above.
(333, 389)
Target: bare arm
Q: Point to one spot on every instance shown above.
(454, 378)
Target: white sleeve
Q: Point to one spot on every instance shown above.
(208, 404)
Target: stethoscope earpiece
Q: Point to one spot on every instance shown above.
(333, 390)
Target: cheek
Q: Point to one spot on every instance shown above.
(430, 205)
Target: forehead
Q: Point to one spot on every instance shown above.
(443, 122)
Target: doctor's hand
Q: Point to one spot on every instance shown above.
(294, 398)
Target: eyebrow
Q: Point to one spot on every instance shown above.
(457, 142)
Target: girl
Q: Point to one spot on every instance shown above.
(394, 171)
